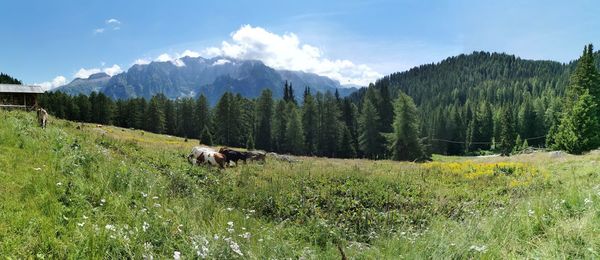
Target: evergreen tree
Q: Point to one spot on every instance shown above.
(507, 132)
(228, 121)
(347, 149)
(206, 137)
(201, 115)
(294, 137)
(369, 136)
(280, 120)
(155, 116)
(264, 111)
(309, 122)
(578, 129)
(405, 143)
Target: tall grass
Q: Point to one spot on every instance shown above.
(118, 193)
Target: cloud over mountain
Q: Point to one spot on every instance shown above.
(288, 52)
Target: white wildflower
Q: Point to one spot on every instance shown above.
(176, 255)
(234, 246)
(110, 227)
(156, 205)
(145, 226)
(37, 169)
(81, 224)
(587, 201)
(179, 228)
(229, 209)
(84, 217)
(144, 194)
(216, 237)
(59, 184)
(230, 227)
(480, 249)
(155, 197)
(530, 212)
(245, 235)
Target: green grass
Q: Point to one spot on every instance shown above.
(115, 193)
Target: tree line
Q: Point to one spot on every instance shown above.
(469, 104)
(320, 124)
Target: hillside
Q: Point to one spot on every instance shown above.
(460, 99)
(108, 192)
(194, 76)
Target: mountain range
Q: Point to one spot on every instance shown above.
(190, 77)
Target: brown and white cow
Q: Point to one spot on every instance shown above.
(206, 155)
(42, 117)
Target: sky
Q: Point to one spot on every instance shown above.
(52, 42)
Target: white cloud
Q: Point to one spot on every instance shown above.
(188, 53)
(221, 62)
(287, 52)
(165, 57)
(114, 70)
(86, 73)
(141, 61)
(113, 21)
(56, 82)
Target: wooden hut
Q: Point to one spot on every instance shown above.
(19, 96)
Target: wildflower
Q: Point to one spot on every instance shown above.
(145, 226)
(80, 224)
(245, 235)
(216, 237)
(587, 201)
(234, 246)
(59, 184)
(480, 249)
(179, 228)
(37, 169)
(84, 217)
(155, 197)
(530, 212)
(109, 227)
(156, 205)
(176, 255)
(148, 246)
(144, 194)
(230, 227)
(229, 209)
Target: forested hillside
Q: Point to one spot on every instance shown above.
(460, 99)
(468, 104)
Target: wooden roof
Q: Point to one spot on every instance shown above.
(13, 88)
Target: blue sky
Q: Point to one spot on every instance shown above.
(352, 41)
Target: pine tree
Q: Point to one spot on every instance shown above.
(201, 115)
(294, 137)
(155, 117)
(405, 144)
(507, 132)
(280, 119)
(578, 129)
(330, 126)
(309, 123)
(206, 137)
(347, 149)
(264, 111)
(228, 121)
(369, 136)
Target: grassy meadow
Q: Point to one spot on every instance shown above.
(107, 192)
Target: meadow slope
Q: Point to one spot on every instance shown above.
(114, 193)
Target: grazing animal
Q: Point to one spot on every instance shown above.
(233, 155)
(259, 156)
(42, 117)
(201, 156)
